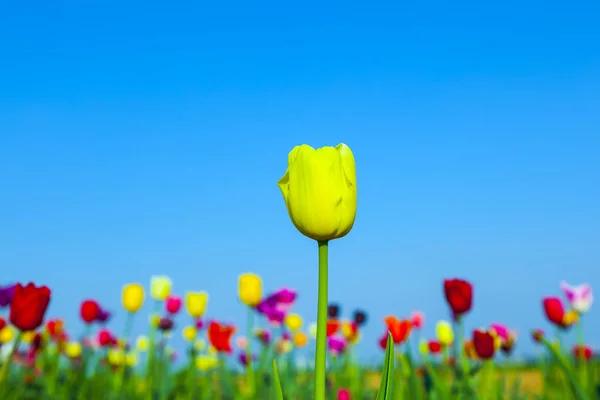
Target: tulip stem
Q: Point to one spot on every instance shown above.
(321, 346)
(249, 360)
(8, 361)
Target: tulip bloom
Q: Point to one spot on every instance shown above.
(580, 297)
(173, 304)
(359, 317)
(220, 336)
(418, 319)
(483, 343)
(333, 326)
(6, 295)
(160, 287)
(582, 351)
(444, 333)
(459, 295)
(400, 330)
(319, 189)
(300, 339)
(555, 312)
(434, 347)
(293, 322)
(195, 303)
(29, 306)
(537, 335)
(132, 297)
(250, 289)
(336, 345)
(89, 311)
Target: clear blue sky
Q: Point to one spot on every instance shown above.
(139, 138)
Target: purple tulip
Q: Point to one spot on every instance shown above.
(103, 316)
(6, 295)
(336, 345)
(243, 358)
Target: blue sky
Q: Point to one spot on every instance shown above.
(146, 138)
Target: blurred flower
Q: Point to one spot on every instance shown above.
(189, 333)
(507, 337)
(359, 317)
(173, 304)
(350, 331)
(580, 297)
(154, 320)
(142, 343)
(319, 189)
(6, 295)
(106, 338)
(263, 335)
(537, 335)
(283, 346)
(195, 304)
(483, 341)
(28, 306)
(400, 330)
(293, 322)
(2, 323)
(250, 289)
(469, 349)
(160, 287)
(333, 310)
(459, 295)
(166, 324)
(116, 356)
(555, 312)
(343, 394)
(199, 324)
(417, 319)
(333, 327)
(89, 311)
(200, 344)
(241, 342)
(336, 345)
(73, 349)
(27, 337)
(312, 330)
(131, 359)
(434, 347)
(243, 358)
(300, 339)
(103, 316)
(219, 336)
(276, 305)
(132, 297)
(584, 352)
(423, 347)
(7, 334)
(206, 363)
(444, 333)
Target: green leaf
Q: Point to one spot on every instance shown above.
(385, 387)
(278, 390)
(576, 389)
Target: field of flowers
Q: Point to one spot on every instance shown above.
(42, 359)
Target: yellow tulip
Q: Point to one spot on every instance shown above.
(423, 347)
(293, 322)
(189, 333)
(444, 333)
(195, 303)
(131, 359)
(7, 334)
(284, 346)
(154, 320)
(319, 189)
(116, 356)
(132, 297)
(206, 363)
(142, 343)
(300, 339)
(27, 337)
(73, 349)
(250, 289)
(160, 287)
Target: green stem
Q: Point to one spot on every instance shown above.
(462, 368)
(151, 353)
(121, 368)
(576, 389)
(249, 365)
(8, 362)
(321, 346)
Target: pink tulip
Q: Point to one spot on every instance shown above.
(418, 319)
(343, 394)
(173, 304)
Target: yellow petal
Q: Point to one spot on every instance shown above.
(7, 334)
(132, 297)
(250, 289)
(300, 339)
(27, 337)
(189, 333)
(293, 322)
(195, 303)
(423, 347)
(142, 343)
(444, 333)
(160, 287)
(73, 349)
(206, 363)
(319, 188)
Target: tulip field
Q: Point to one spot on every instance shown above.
(273, 353)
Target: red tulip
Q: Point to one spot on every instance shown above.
(173, 304)
(2, 323)
(584, 352)
(555, 311)
(106, 338)
(459, 295)
(89, 311)
(434, 347)
(29, 306)
(400, 330)
(383, 341)
(220, 335)
(483, 342)
(333, 326)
